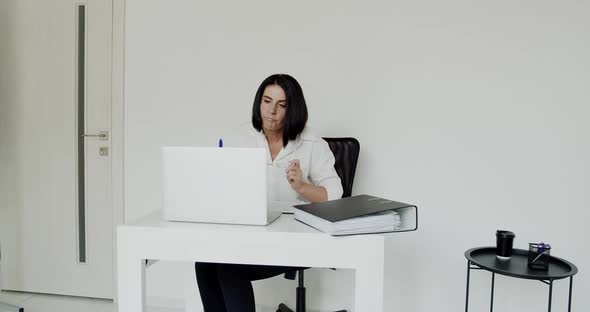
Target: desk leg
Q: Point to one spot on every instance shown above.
(492, 296)
(467, 291)
(569, 302)
(130, 278)
(550, 293)
(368, 288)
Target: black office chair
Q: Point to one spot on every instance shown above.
(346, 152)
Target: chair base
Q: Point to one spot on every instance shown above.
(285, 308)
(299, 296)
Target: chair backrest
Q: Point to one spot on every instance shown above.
(346, 152)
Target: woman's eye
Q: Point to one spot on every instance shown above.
(283, 105)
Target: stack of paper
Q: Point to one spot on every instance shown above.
(387, 221)
(361, 214)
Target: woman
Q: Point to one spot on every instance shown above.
(301, 168)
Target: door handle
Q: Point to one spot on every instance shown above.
(101, 135)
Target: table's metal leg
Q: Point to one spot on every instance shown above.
(569, 302)
(492, 296)
(467, 291)
(550, 293)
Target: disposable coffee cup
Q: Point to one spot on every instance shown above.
(504, 241)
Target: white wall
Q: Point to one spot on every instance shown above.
(474, 110)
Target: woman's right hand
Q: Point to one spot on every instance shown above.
(294, 175)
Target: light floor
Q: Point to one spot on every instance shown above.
(52, 303)
(46, 303)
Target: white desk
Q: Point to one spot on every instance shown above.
(284, 242)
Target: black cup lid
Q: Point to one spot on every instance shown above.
(504, 234)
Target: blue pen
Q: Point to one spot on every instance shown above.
(220, 142)
(541, 249)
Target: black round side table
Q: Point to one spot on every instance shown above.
(484, 258)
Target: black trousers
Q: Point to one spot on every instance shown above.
(228, 287)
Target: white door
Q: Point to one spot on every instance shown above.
(56, 216)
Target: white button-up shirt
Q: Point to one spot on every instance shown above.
(315, 158)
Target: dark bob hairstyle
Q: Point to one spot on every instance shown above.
(296, 114)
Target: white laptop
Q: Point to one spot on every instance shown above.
(217, 185)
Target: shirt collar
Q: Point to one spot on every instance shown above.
(291, 147)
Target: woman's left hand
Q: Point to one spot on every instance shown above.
(294, 175)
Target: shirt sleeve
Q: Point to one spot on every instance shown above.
(322, 170)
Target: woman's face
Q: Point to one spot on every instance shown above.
(272, 108)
